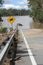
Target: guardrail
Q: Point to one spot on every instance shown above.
(5, 49)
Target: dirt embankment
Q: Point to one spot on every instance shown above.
(4, 36)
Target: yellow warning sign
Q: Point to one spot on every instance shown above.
(11, 19)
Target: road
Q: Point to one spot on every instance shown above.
(31, 48)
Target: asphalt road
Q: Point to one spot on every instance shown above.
(36, 46)
(22, 52)
(30, 51)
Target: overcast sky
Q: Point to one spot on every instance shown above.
(18, 4)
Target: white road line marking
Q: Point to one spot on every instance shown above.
(29, 50)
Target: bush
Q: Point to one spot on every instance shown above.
(3, 30)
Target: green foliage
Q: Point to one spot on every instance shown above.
(37, 9)
(12, 12)
(3, 30)
(1, 2)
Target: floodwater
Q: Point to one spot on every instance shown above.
(26, 21)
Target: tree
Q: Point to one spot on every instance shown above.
(12, 12)
(1, 2)
(37, 9)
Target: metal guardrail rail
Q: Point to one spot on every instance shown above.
(4, 52)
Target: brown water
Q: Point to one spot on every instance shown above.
(26, 21)
(37, 25)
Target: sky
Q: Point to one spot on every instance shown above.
(15, 4)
